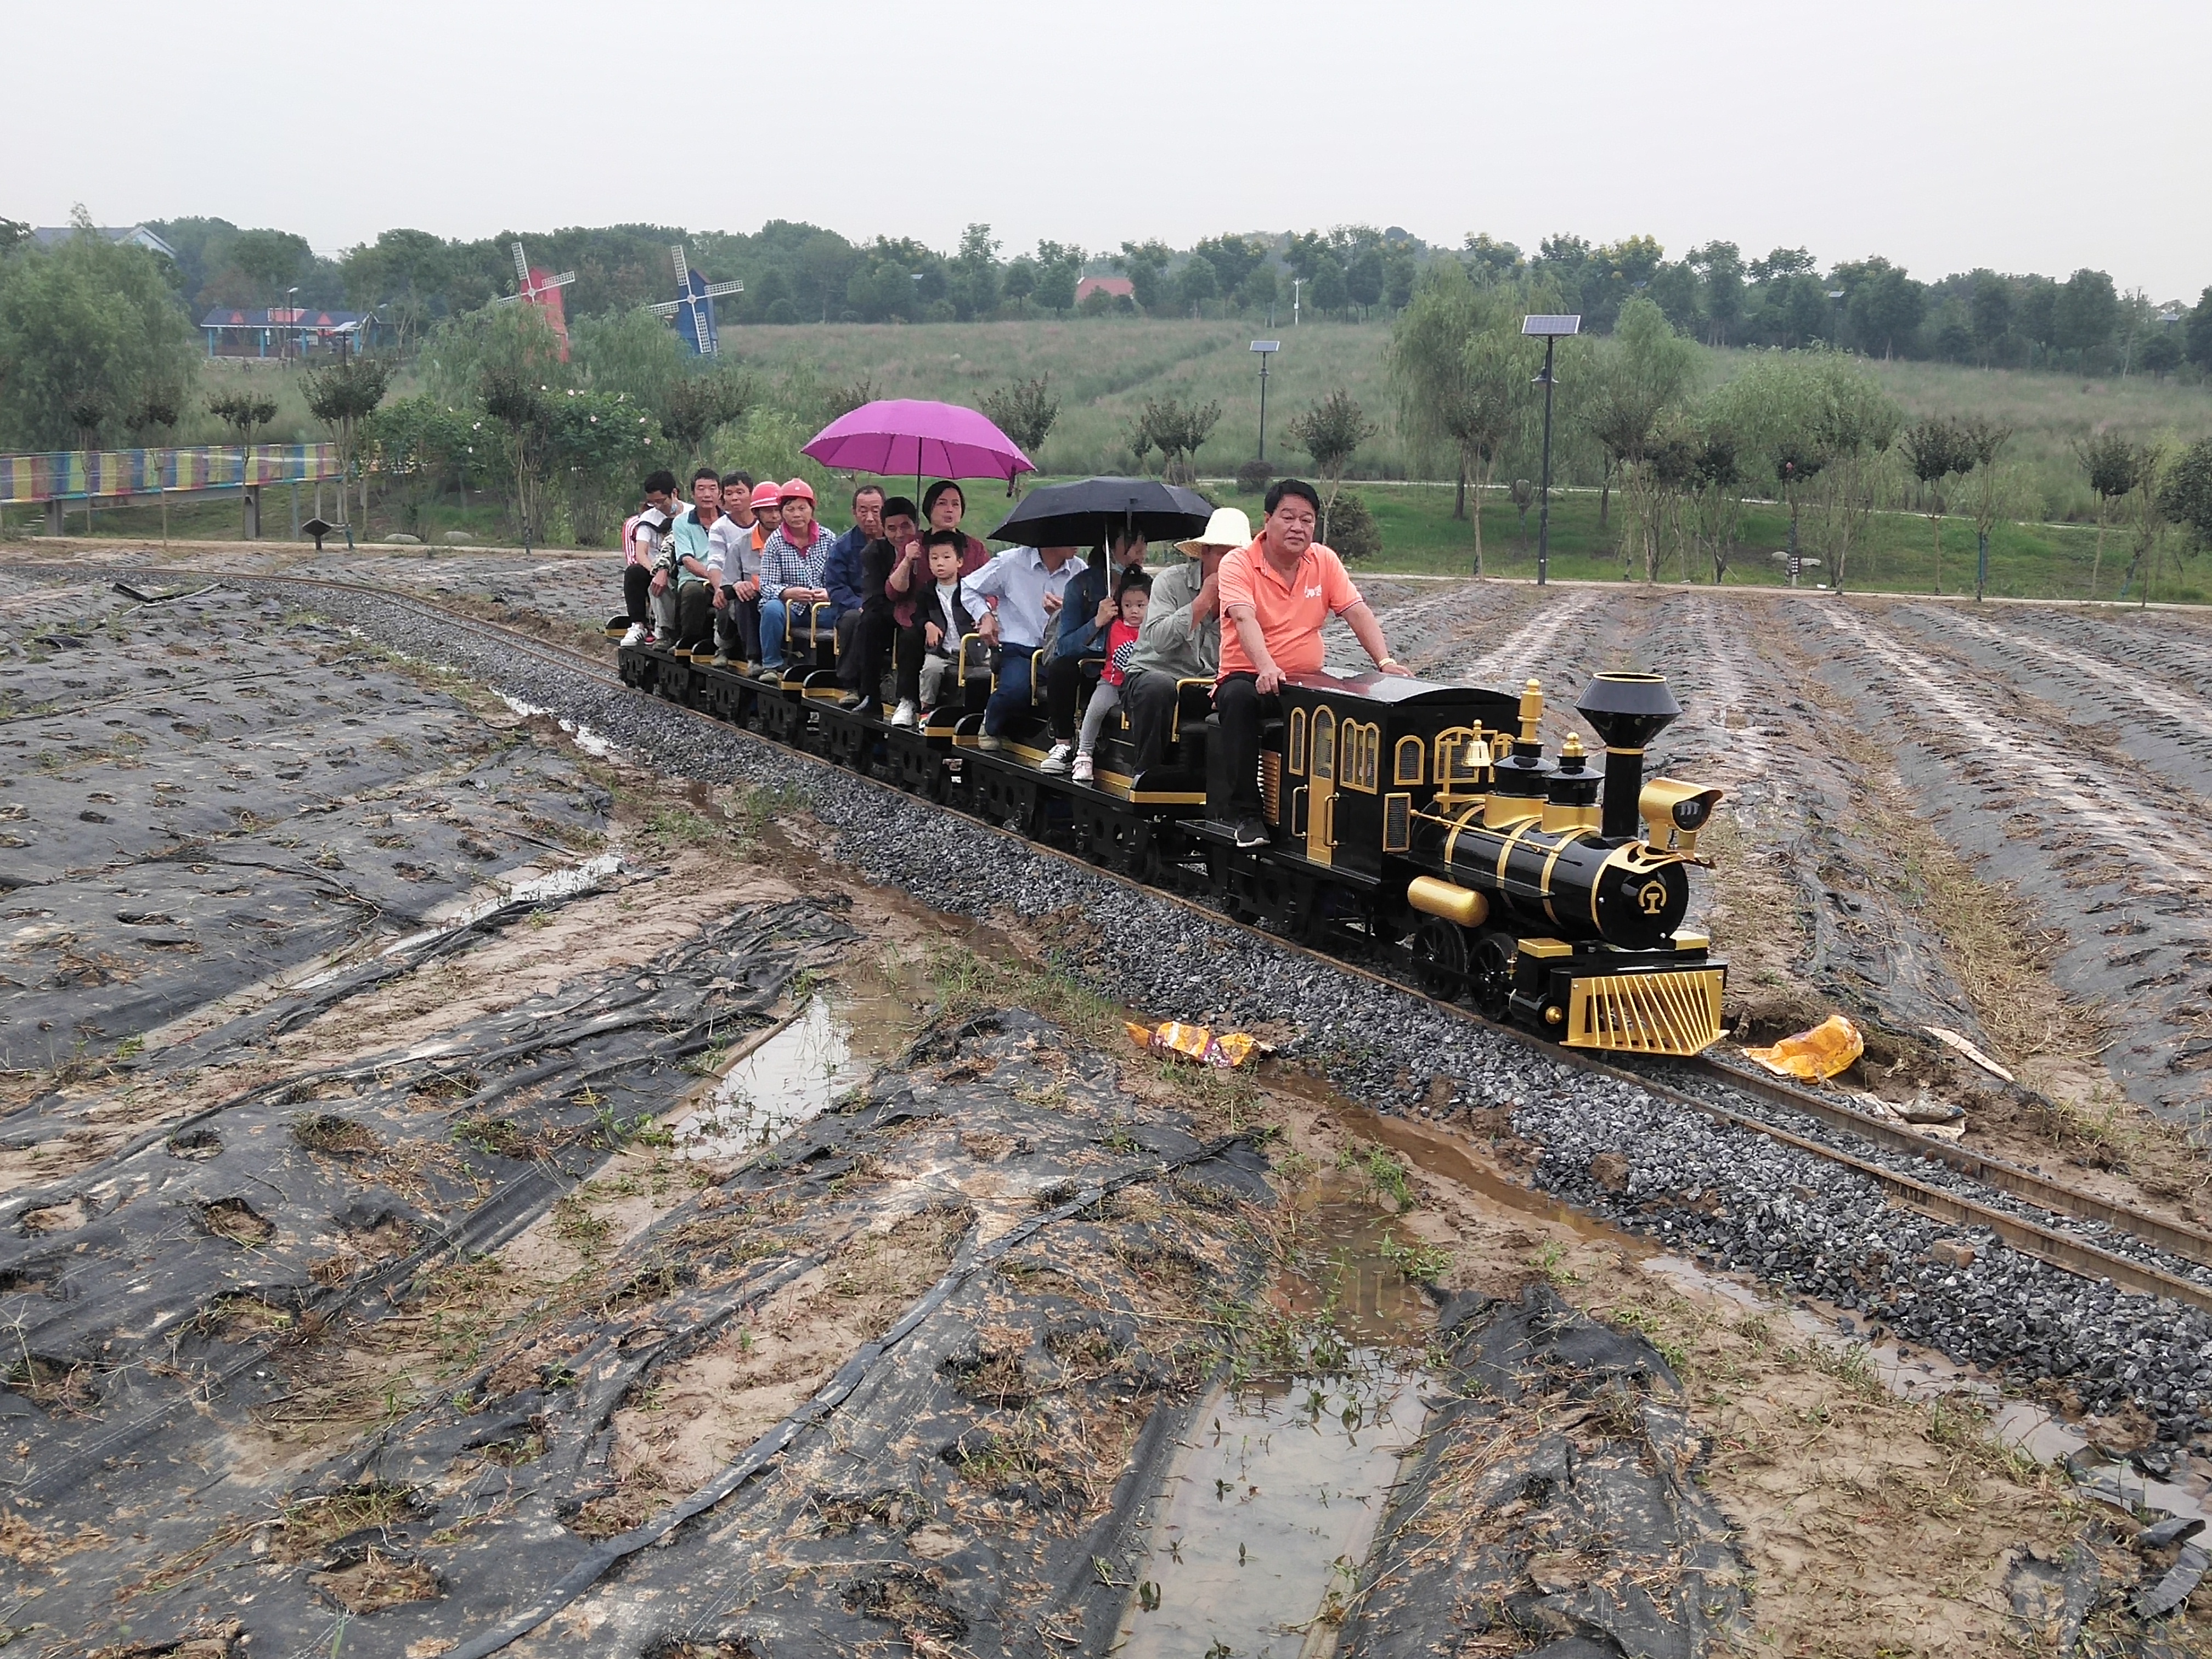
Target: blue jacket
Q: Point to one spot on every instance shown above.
(841, 574)
(1078, 635)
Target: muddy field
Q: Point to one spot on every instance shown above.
(400, 1228)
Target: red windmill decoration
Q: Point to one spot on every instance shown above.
(543, 289)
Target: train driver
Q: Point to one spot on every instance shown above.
(1275, 596)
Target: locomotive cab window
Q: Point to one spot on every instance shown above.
(1359, 754)
(1297, 754)
(1324, 744)
(1406, 765)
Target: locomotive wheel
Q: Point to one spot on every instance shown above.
(1491, 973)
(1440, 950)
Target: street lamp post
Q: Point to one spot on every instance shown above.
(1553, 329)
(1267, 349)
(292, 317)
(1297, 288)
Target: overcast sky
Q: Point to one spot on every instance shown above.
(2033, 135)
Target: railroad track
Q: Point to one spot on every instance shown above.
(2048, 1241)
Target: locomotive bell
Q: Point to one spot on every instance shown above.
(1626, 711)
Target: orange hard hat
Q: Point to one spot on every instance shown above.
(798, 489)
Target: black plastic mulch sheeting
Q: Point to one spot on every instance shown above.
(140, 1294)
(1553, 1504)
(195, 795)
(994, 1443)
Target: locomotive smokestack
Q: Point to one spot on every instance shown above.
(1626, 711)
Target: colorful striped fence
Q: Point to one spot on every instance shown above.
(118, 475)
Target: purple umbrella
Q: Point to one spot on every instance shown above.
(902, 436)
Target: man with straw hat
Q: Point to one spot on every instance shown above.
(1181, 638)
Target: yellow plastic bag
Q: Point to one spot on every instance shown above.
(1816, 1054)
(1193, 1043)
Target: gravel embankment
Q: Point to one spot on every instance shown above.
(1727, 1196)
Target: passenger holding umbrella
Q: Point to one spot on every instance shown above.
(909, 584)
(1123, 515)
(1092, 602)
(896, 550)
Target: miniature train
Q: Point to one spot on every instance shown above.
(1415, 824)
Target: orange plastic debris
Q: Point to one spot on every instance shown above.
(1193, 1043)
(1821, 1053)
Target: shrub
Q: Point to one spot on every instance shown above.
(1352, 532)
(1254, 478)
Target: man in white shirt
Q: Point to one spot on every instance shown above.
(737, 603)
(1028, 583)
(652, 540)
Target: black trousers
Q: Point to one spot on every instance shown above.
(737, 626)
(907, 650)
(637, 582)
(695, 615)
(877, 641)
(1237, 700)
(1148, 697)
(1063, 685)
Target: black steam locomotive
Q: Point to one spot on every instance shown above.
(1416, 823)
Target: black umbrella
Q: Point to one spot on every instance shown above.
(1091, 511)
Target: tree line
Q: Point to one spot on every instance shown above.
(1808, 427)
(798, 272)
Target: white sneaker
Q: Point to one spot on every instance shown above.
(1057, 759)
(636, 635)
(904, 715)
(1081, 772)
(987, 741)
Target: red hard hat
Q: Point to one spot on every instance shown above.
(798, 489)
(766, 494)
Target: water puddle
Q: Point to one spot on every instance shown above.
(845, 1031)
(1442, 1153)
(587, 739)
(1269, 1513)
(792, 1077)
(1269, 1509)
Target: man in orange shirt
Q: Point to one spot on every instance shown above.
(1275, 595)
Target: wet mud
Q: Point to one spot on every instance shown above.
(618, 1390)
(1028, 1252)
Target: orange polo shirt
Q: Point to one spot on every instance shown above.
(1289, 610)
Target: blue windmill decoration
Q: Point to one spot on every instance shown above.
(693, 309)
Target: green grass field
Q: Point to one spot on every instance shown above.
(1104, 370)
(1420, 536)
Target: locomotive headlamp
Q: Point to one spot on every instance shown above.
(1674, 812)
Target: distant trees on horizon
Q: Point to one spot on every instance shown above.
(796, 272)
